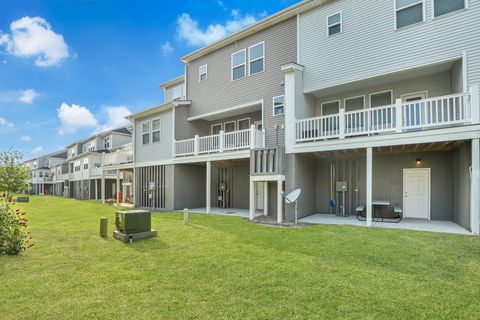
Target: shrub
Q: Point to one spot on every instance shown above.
(14, 237)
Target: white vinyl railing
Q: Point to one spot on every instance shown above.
(444, 111)
(119, 157)
(224, 141)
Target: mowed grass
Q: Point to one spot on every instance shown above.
(228, 268)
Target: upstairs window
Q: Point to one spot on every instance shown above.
(106, 143)
(380, 99)
(334, 24)
(256, 58)
(85, 164)
(243, 124)
(146, 133)
(47, 163)
(278, 106)
(156, 130)
(202, 71)
(408, 12)
(441, 7)
(239, 65)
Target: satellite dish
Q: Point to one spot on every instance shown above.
(292, 197)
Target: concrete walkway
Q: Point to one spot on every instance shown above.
(227, 212)
(409, 224)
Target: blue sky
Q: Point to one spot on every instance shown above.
(69, 68)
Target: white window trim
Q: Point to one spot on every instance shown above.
(238, 123)
(333, 25)
(327, 102)
(152, 131)
(355, 97)
(234, 125)
(243, 64)
(216, 125)
(262, 57)
(395, 10)
(425, 92)
(447, 14)
(273, 106)
(200, 73)
(374, 93)
(148, 132)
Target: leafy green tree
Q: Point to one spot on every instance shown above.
(13, 175)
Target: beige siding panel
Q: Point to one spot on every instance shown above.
(369, 45)
(219, 92)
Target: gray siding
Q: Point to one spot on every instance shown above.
(158, 151)
(457, 77)
(436, 84)
(219, 92)
(461, 198)
(190, 183)
(369, 45)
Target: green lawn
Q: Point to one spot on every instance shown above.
(227, 268)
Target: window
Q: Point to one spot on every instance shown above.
(334, 24)
(47, 163)
(256, 58)
(155, 130)
(332, 107)
(216, 128)
(202, 71)
(238, 65)
(85, 164)
(84, 149)
(230, 126)
(408, 12)
(146, 133)
(243, 124)
(40, 174)
(77, 165)
(91, 146)
(380, 99)
(354, 103)
(278, 105)
(106, 143)
(441, 7)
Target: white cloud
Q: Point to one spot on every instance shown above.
(37, 150)
(28, 96)
(5, 122)
(115, 116)
(25, 138)
(34, 37)
(189, 30)
(167, 48)
(75, 117)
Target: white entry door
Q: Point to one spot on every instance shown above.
(416, 193)
(259, 194)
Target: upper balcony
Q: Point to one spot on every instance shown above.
(219, 143)
(122, 157)
(439, 112)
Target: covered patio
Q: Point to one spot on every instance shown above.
(408, 224)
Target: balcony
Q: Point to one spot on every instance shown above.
(120, 157)
(267, 161)
(439, 112)
(222, 142)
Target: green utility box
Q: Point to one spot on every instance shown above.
(133, 225)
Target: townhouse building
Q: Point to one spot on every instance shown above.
(370, 108)
(42, 176)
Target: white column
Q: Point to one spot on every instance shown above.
(265, 198)
(209, 186)
(475, 188)
(341, 122)
(252, 199)
(134, 181)
(118, 186)
(252, 137)
(369, 187)
(96, 189)
(221, 141)
(279, 201)
(195, 144)
(102, 187)
(290, 71)
(398, 116)
(475, 102)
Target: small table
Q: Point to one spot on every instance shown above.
(379, 203)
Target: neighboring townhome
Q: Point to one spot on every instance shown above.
(42, 173)
(382, 112)
(86, 178)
